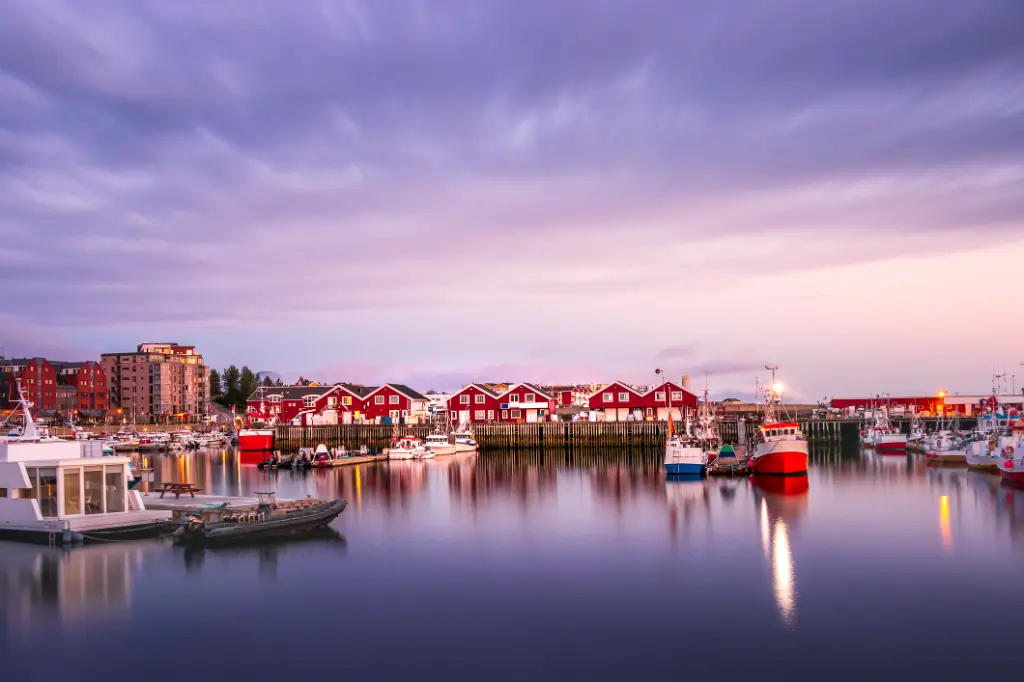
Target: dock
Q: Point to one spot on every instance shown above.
(212, 507)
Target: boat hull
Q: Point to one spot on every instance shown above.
(253, 444)
(780, 458)
(891, 446)
(947, 457)
(223, 534)
(686, 469)
(1012, 470)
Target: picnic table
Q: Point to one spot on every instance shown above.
(178, 489)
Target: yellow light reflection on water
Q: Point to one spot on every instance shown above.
(782, 573)
(944, 526)
(359, 489)
(765, 528)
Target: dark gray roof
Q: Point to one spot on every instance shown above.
(290, 392)
(411, 393)
(358, 389)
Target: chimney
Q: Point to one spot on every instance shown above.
(686, 382)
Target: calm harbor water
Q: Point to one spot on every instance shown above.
(511, 568)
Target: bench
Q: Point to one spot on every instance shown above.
(179, 489)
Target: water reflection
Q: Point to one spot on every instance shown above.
(41, 585)
(685, 497)
(269, 553)
(782, 501)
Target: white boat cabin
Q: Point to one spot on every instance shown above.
(50, 485)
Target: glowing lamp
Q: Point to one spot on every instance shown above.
(778, 387)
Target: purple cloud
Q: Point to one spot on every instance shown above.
(214, 168)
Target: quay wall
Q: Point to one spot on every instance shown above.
(568, 435)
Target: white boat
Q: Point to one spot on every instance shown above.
(947, 447)
(465, 441)
(439, 444)
(62, 492)
(983, 453)
(684, 456)
(882, 435)
(406, 447)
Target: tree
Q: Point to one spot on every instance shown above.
(216, 389)
(232, 385)
(279, 382)
(247, 385)
(267, 381)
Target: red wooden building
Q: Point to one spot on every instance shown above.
(619, 401)
(918, 404)
(520, 403)
(38, 381)
(337, 404)
(395, 401)
(90, 382)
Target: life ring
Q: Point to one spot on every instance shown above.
(1008, 451)
(1008, 464)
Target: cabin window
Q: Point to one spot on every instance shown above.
(609, 397)
(464, 399)
(72, 491)
(114, 488)
(392, 399)
(3, 493)
(479, 399)
(529, 398)
(624, 397)
(516, 414)
(479, 414)
(514, 398)
(677, 395)
(504, 414)
(94, 490)
(378, 400)
(490, 415)
(660, 396)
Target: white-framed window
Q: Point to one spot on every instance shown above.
(479, 414)
(677, 395)
(274, 398)
(308, 400)
(529, 398)
(623, 397)
(490, 415)
(479, 399)
(378, 400)
(332, 401)
(516, 414)
(504, 414)
(660, 396)
(464, 399)
(393, 400)
(650, 411)
(405, 413)
(346, 400)
(609, 397)
(514, 398)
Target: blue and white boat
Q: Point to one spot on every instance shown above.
(684, 455)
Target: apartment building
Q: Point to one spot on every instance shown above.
(158, 383)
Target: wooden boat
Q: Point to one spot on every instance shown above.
(264, 524)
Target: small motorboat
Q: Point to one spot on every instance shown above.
(263, 524)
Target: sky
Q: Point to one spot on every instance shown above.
(556, 191)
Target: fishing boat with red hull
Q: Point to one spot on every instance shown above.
(781, 449)
(1011, 461)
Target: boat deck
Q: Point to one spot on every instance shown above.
(212, 506)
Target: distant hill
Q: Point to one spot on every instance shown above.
(264, 373)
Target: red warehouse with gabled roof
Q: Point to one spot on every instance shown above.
(619, 401)
(396, 401)
(521, 403)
